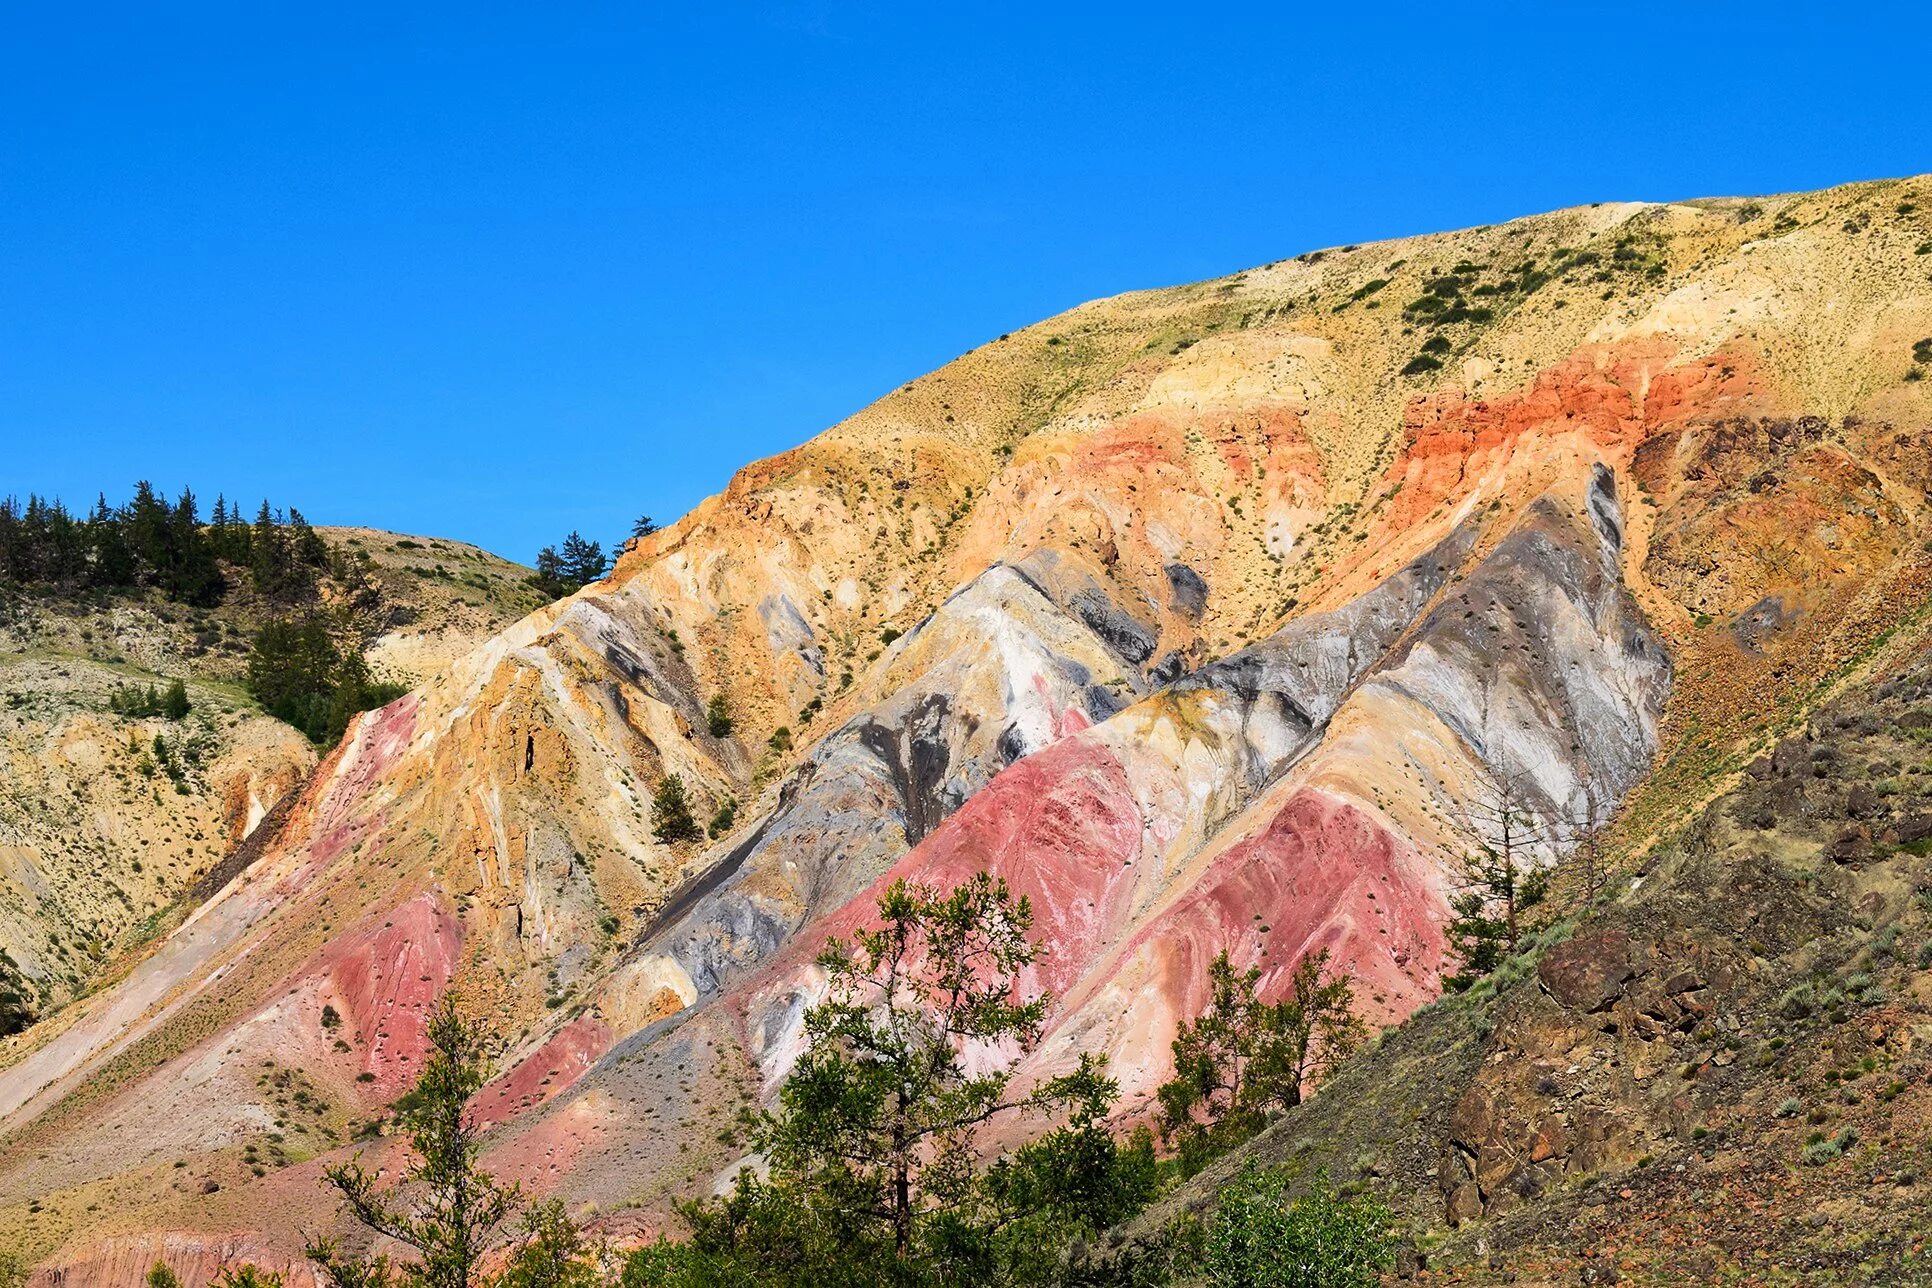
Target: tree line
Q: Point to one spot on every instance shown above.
(150, 541)
(305, 664)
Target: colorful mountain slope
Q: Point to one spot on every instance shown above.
(1215, 602)
(1716, 1074)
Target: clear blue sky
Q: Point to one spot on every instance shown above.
(495, 272)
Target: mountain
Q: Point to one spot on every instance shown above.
(1195, 613)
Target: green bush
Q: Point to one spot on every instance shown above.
(1819, 1151)
(1260, 1238)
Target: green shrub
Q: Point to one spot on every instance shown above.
(1818, 1151)
(1260, 1238)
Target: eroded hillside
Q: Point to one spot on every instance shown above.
(1715, 1072)
(109, 818)
(1193, 612)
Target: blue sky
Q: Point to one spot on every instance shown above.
(495, 272)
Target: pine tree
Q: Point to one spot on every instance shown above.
(174, 703)
(64, 550)
(583, 561)
(882, 1114)
(270, 562)
(235, 545)
(195, 578)
(13, 545)
(113, 562)
(1498, 837)
(1243, 1059)
(291, 671)
(1588, 848)
(306, 544)
(549, 566)
(147, 531)
(671, 818)
(444, 1208)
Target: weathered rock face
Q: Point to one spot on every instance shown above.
(1191, 613)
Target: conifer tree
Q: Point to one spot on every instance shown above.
(194, 577)
(1498, 838)
(307, 546)
(174, 703)
(112, 562)
(671, 818)
(549, 568)
(271, 563)
(147, 529)
(879, 1168)
(583, 561)
(445, 1209)
(1243, 1059)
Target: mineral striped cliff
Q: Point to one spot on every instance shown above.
(1192, 612)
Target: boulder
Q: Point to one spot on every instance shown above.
(1589, 972)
